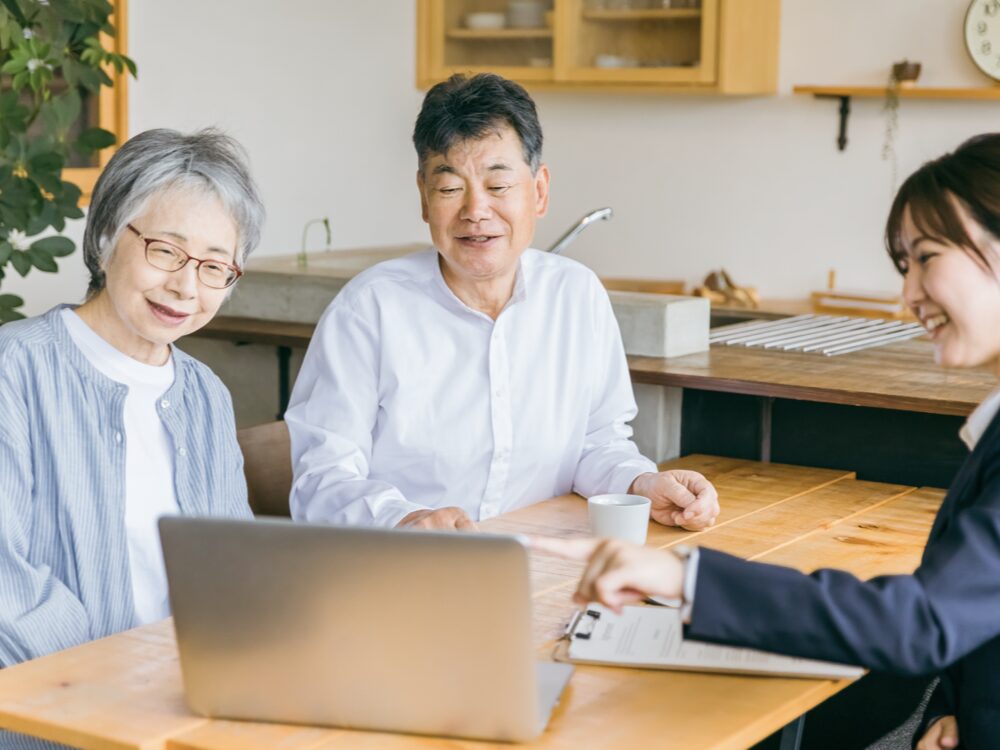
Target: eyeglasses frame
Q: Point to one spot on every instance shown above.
(182, 251)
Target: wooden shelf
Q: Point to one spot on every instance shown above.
(844, 94)
(905, 92)
(664, 14)
(499, 34)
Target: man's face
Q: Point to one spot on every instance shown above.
(481, 202)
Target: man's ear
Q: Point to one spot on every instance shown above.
(542, 191)
(424, 213)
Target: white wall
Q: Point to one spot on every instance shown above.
(322, 94)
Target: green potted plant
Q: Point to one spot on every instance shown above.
(51, 58)
(902, 75)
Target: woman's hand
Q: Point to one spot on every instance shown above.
(679, 497)
(617, 573)
(940, 735)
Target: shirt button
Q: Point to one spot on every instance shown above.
(164, 403)
(182, 451)
(118, 435)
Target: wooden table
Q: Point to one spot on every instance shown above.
(125, 691)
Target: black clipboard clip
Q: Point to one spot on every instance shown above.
(582, 624)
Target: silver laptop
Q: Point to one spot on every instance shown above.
(397, 631)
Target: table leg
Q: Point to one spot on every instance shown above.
(791, 735)
(284, 387)
(766, 410)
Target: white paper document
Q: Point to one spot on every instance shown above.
(652, 637)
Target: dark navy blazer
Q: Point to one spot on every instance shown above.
(945, 618)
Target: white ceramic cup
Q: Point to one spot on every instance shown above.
(619, 516)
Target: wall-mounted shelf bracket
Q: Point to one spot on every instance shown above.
(845, 112)
(844, 94)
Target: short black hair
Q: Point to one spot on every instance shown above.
(463, 108)
(968, 177)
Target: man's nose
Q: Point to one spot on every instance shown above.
(477, 206)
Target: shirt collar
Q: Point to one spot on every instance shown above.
(519, 293)
(980, 419)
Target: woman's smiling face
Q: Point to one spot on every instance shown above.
(954, 293)
(153, 308)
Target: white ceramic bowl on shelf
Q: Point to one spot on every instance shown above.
(525, 14)
(485, 20)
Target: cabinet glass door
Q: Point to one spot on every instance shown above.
(637, 41)
(509, 37)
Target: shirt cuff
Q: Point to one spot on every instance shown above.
(628, 472)
(690, 582)
(390, 513)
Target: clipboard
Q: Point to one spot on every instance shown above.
(653, 638)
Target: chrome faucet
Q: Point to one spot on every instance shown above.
(563, 242)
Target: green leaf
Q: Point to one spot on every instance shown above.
(9, 316)
(54, 246)
(10, 300)
(46, 162)
(42, 261)
(94, 139)
(5, 252)
(14, 65)
(15, 10)
(21, 262)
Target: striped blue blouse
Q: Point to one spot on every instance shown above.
(64, 567)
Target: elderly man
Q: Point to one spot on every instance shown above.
(479, 376)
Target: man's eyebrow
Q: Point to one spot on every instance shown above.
(499, 167)
(443, 169)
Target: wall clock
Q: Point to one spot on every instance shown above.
(982, 36)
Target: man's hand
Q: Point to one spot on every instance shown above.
(617, 573)
(940, 735)
(679, 498)
(446, 519)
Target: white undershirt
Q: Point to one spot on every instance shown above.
(149, 464)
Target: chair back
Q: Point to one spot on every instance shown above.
(267, 463)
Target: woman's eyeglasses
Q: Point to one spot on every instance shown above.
(167, 257)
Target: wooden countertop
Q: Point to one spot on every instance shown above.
(897, 376)
(125, 691)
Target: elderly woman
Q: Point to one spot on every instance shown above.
(479, 376)
(106, 425)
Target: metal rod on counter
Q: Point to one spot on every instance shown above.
(782, 328)
(819, 327)
(879, 328)
(750, 325)
(798, 339)
(900, 335)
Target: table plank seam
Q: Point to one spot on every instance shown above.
(827, 526)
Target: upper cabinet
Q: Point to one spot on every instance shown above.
(710, 46)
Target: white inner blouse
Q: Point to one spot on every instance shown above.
(149, 463)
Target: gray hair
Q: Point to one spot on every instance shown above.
(159, 160)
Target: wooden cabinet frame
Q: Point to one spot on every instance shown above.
(112, 106)
(737, 49)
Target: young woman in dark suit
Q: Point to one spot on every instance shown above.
(943, 234)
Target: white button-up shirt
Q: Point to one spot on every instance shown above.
(408, 399)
